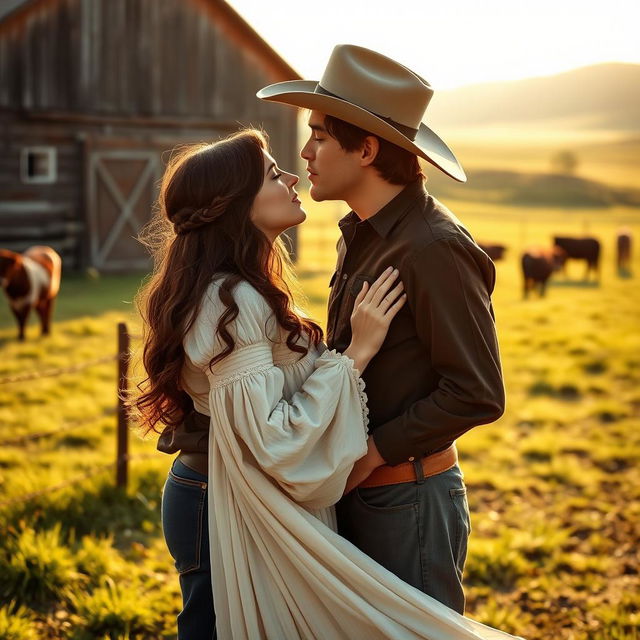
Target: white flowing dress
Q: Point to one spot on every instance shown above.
(285, 431)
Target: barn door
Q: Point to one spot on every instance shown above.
(121, 193)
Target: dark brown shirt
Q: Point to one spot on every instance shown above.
(438, 372)
(192, 435)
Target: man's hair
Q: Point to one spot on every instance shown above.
(394, 164)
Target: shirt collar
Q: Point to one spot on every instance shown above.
(385, 219)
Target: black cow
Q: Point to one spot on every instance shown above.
(587, 249)
(494, 251)
(538, 265)
(623, 250)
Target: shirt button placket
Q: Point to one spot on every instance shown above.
(344, 314)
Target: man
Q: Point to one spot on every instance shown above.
(438, 372)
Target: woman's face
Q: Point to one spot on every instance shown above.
(276, 208)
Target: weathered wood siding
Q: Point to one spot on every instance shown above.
(128, 58)
(77, 74)
(33, 213)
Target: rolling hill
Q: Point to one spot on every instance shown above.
(598, 97)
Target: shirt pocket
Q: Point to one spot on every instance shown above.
(358, 281)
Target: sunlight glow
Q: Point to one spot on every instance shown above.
(457, 43)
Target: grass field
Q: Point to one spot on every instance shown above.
(553, 486)
(605, 156)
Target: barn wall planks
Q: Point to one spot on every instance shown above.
(137, 75)
(126, 57)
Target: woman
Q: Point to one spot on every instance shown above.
(287, 417)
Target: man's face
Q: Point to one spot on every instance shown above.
(333, 172)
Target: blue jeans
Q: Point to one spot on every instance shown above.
(186, 532)
(417, 530)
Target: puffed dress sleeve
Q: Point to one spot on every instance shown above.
(308, 443)
(280, 452)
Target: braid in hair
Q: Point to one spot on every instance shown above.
(187, 219)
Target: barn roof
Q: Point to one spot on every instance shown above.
(12, 11)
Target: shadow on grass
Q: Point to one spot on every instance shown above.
(95, 508)
(9, 337)
(580, 284)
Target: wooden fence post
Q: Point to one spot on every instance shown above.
(123, 387)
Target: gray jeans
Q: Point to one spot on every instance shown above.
(417, 530)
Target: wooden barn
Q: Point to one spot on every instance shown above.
(93, 94)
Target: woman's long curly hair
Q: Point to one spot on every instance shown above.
(202, 229)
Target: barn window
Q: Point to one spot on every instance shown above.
(38, 164)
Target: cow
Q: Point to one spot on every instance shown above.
(537, 266)
(587, 249)
(31, 280)
(623, 250)
(494, 251)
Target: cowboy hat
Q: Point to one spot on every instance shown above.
(377, 94)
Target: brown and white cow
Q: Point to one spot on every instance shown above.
(537, 266)
(31, 280)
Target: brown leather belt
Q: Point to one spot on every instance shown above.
(384, 475)
(195, 461)
(407, 472)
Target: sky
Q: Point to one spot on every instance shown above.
(453, 43)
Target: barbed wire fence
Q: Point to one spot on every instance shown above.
(123, 457)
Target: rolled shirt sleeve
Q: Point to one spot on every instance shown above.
(449, 284)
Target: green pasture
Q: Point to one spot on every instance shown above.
(553, 485)
(604, 156)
